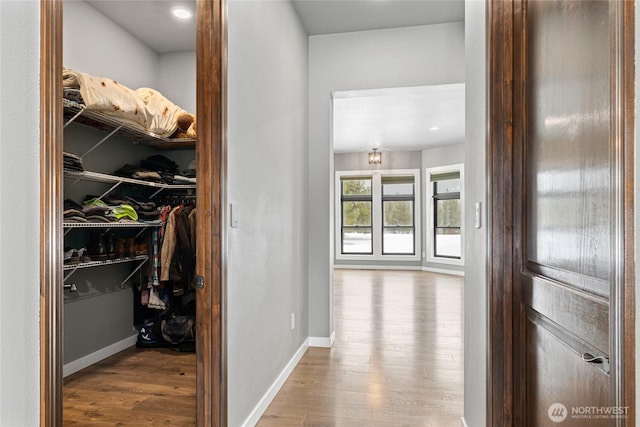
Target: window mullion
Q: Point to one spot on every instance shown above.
(376, 206)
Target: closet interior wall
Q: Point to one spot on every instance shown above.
(99, 316)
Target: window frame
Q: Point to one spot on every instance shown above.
(355, 198)
(377, 215)
(398, 198)
(430, 209)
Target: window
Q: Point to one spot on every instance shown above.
(398, 221)
(377, 215)
(356, 216)
(445, 221)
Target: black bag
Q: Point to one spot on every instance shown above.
(177, 329)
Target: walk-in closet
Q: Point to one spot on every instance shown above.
(129, 216)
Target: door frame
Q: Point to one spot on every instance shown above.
(503, 115)
(211, 53)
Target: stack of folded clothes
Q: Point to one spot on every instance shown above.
(73, 212)
(73, 95)
(72, 162)
(103, 212)
(190, 171)
(146, 211)
(136, 172)
(157, 168)
(188, 175)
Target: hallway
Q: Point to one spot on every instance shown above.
(397, 358)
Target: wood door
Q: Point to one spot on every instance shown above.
(566, 235)
(210, 156)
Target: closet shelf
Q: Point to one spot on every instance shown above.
(101, 177)
(78, 113)
(141, 259)
(92, 264)
(111, 224)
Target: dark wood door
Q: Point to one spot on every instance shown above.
(561, 270)
(568, 223)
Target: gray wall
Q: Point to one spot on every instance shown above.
(475, 290)
(414, 56)
(177, 79)
(19, 216)
(120, 56)
(267, 252)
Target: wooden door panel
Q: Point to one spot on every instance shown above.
(567, 142)
(581, 314)
(562, 276)
(552, 353)
(566, 224)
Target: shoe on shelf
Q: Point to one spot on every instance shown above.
(97, 250)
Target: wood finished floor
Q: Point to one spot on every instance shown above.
(397, 359)
(137, 387)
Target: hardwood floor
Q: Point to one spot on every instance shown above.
(137, 387)
(397, 359)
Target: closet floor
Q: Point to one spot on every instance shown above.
(135, 387)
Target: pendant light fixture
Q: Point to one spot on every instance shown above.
(375, 158)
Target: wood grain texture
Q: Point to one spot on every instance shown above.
(397, 359)
(50, 213)
(570, 238)
(136, 387)
(500, 16)
(210, 110)
(628, 134)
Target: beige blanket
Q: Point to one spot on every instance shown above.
(143, 108)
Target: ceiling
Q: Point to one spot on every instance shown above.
(340, 16)
(390, 119)
(151, 22)
(398, 119)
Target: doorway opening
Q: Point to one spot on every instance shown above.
(210, 166)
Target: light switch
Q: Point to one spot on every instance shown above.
(478, 214)
(233, 208)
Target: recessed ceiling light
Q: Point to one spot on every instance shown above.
(181, 12)
(434, 128)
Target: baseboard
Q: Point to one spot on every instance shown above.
(377, 267)
(397, 267)
(464, 423)
(322, 341)
(103, 353)
(264, 403)
(443, 271)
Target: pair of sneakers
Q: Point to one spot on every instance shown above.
(76, 256)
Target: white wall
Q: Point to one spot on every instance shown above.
(120, 56)
(19, 213)
(414, 56)
(267, 252)
(177, 79)
(475, 290)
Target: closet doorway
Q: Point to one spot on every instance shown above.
(210, 161)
